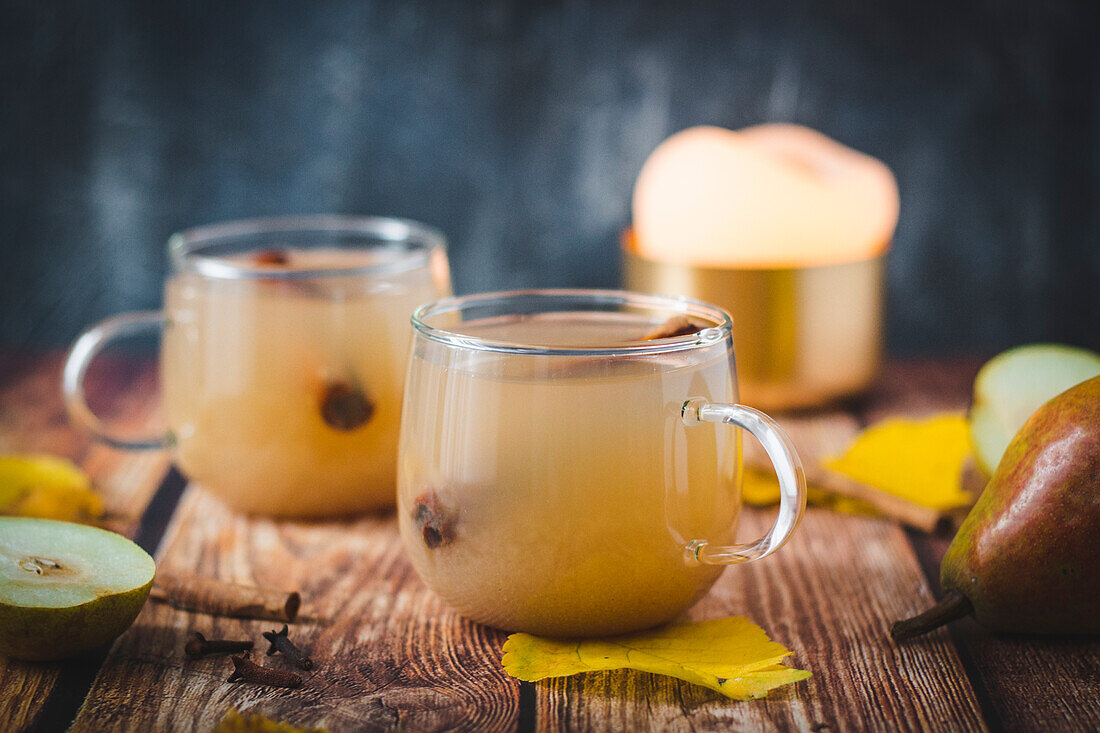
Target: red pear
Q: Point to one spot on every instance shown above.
(1027, 557)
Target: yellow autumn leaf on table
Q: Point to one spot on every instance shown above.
(917, 460)
(234, 722)
(730, 655)
(46, 487)
(760, 488)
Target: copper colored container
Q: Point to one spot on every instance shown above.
(804, 336)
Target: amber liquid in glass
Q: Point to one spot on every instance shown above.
(284, 395)
(556, 494)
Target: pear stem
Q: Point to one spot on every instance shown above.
(953, 605)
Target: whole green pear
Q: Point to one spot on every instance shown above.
(1027, 557)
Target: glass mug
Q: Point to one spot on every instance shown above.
(560, 476)
(282, 358)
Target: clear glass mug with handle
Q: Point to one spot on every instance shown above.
(282, 360)
(566, 471)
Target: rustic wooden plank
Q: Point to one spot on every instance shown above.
(920, 388)
(388, 653)
(1023, 683)
(828, 596)
(32, 419)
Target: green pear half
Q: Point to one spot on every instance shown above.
(1013, 385)
(66, 588)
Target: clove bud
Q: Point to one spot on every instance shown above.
(245, 670)
(280, 642)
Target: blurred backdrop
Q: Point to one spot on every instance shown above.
(519, 128)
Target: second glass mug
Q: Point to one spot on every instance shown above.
(561, 476)
(282, 362)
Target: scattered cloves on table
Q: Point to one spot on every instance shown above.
(435, 523)
(345, 407)
(675, 326)
(199, 646)
(280, 642)
(245, 670)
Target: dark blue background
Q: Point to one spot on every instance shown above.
(519, 128)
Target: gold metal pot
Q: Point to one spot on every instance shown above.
(803, 336)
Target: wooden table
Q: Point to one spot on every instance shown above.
(392, 655)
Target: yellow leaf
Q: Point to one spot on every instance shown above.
(47, 487)
(918, 460)
(730, 655)
(760, 488)
(234, 722)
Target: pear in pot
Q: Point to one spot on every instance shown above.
(1027, 557)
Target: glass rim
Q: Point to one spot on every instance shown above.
(721, 331)
(421, 240)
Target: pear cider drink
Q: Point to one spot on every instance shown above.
(284, 392)
(549, 493)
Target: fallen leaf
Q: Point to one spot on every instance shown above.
(234, 722)
(732, 656)
(760, 488)
(917, 460)
(47, 487)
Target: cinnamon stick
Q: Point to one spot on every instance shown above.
(218, 598)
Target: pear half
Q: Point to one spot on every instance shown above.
(1013, 385)
(66, 588)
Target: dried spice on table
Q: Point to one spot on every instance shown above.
(218, 598)
(245, 670)
(281, 643)
(199, 646)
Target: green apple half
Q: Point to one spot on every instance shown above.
(66, 588)
(1013, 385)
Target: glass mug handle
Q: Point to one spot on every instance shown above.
(788, 468)
(84, 350)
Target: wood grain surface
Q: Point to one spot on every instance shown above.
(1023, 683)
(827, 596)
(390, 655)
(33, 420)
